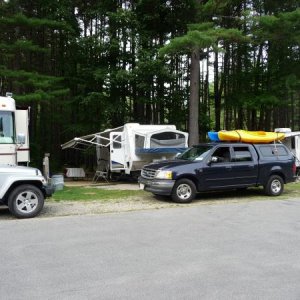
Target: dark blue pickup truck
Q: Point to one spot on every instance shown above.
(220, 166)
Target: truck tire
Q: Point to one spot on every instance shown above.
(184, 191)
(25, 201)
(274, 186)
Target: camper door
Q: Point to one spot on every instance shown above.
(117, 151)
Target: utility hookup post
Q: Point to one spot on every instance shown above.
(46, 168)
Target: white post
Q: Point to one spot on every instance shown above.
(46, 168)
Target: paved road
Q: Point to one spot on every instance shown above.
(224, 251)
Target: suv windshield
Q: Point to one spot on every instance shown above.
(195, 153)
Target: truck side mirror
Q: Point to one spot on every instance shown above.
(21, 138)
(213, 159)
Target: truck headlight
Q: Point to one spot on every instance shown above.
(161, 174)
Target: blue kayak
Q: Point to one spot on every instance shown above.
(213, 136)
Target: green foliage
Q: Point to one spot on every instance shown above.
(202, 36)
(187, 43)
(23, 45)
(231, 35)
(87, 66)
(22, 20)
(292, 82)
(283, 28)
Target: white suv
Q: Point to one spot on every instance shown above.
(23, 190)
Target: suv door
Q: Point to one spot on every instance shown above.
(217, 172)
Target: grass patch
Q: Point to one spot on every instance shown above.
(92, 194)
(292, 189)
(95, 194)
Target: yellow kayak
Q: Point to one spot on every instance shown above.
(250, 136)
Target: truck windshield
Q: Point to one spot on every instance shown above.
(7, 130)
(196, 153)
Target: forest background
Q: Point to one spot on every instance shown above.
(85, 66)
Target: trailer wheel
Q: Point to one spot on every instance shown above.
(25, 201)
(184, 191)
(274, 186)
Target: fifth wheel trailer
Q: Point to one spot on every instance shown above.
(14, 134)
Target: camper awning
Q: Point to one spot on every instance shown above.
(291, 134)
(81, 143)
(87, 141)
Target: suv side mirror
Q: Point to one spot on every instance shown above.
(177, 155)
(21, 138)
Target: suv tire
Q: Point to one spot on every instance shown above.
(184, 191)
(25, 201)
(274, 186)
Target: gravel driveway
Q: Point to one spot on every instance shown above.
(147, 202)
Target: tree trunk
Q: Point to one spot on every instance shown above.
(217, 95)
(194, 99)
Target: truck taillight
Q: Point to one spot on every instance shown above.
(294, 168)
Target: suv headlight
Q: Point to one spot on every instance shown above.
(38, 172)
(161, 174)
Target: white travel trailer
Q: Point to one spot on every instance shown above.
(292, 141)
(14, 134)
(128, 148)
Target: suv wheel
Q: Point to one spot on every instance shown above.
(184, 191)
(25, 201)
(274, 186)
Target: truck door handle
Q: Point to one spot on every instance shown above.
(228, 167)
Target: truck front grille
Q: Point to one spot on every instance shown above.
(148, 173)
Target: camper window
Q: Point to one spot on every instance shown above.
(117, 142)
(139, 141)
(7, 130)
(167, 139)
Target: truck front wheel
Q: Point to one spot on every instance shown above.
(274, 186)
(25, 201)
(184, 191)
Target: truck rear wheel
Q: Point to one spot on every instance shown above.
(184, 191)
(25, 201)
(274, 186)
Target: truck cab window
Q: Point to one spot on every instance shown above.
(242, 154)
(7, 130)
(222, 154)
